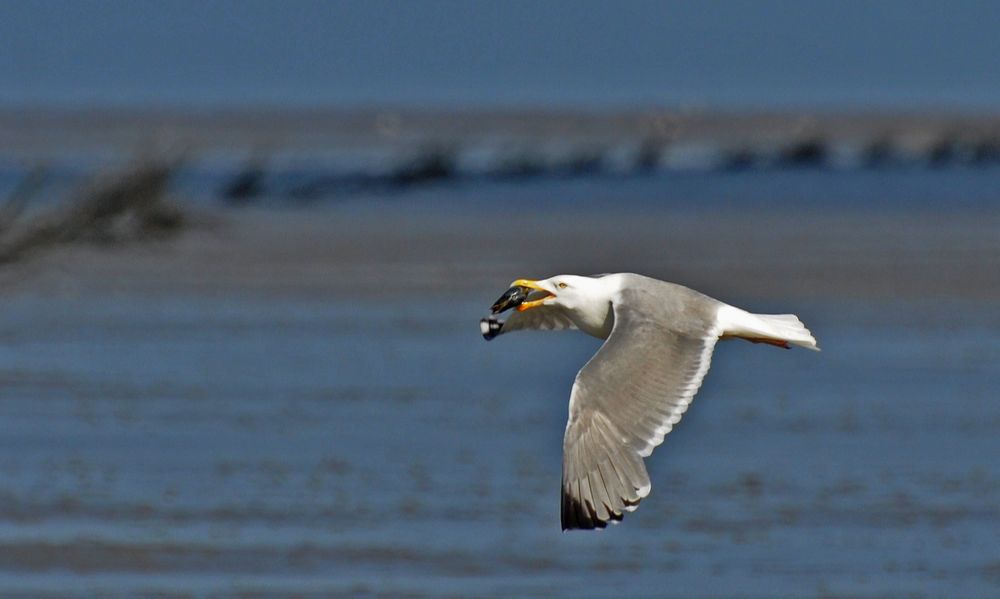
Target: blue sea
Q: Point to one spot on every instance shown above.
(291, 398)
(772, 54)
(317, 415)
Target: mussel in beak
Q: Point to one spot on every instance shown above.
(511, 298)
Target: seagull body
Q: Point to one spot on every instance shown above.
(658, 342)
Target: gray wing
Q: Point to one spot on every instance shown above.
(542, 318)
(629, 396)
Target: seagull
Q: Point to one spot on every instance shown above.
(658, 342)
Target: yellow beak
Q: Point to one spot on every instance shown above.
(531, 284)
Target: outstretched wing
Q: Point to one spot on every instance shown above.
(542, 318)
(629, 396)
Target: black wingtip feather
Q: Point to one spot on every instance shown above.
(577, 515)
(490, 327)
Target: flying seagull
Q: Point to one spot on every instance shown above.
(658, 342)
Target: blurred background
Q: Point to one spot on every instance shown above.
(244, 247)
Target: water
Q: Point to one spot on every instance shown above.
(298, 403)
(179, 446)
(319, 415)
(775, 54)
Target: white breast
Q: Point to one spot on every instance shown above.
(595, 319)
(592, 311)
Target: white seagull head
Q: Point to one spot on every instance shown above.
(569, 292)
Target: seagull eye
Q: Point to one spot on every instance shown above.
(561, 285)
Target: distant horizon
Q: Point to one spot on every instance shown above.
(772, 55)
(248, 108)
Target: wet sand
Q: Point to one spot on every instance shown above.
(384, 248)
(298, 403)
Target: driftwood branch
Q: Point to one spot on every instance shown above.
(129, 204)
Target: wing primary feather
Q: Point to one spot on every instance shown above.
(620, 466)
(603, 498)
(598, 505)
(582, 515)
(615, 491)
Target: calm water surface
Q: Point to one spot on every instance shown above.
(307, 444)
(219, 446)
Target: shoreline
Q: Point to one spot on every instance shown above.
(368, 252)
(307, 156)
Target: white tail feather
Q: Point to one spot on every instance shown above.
(778, 327)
